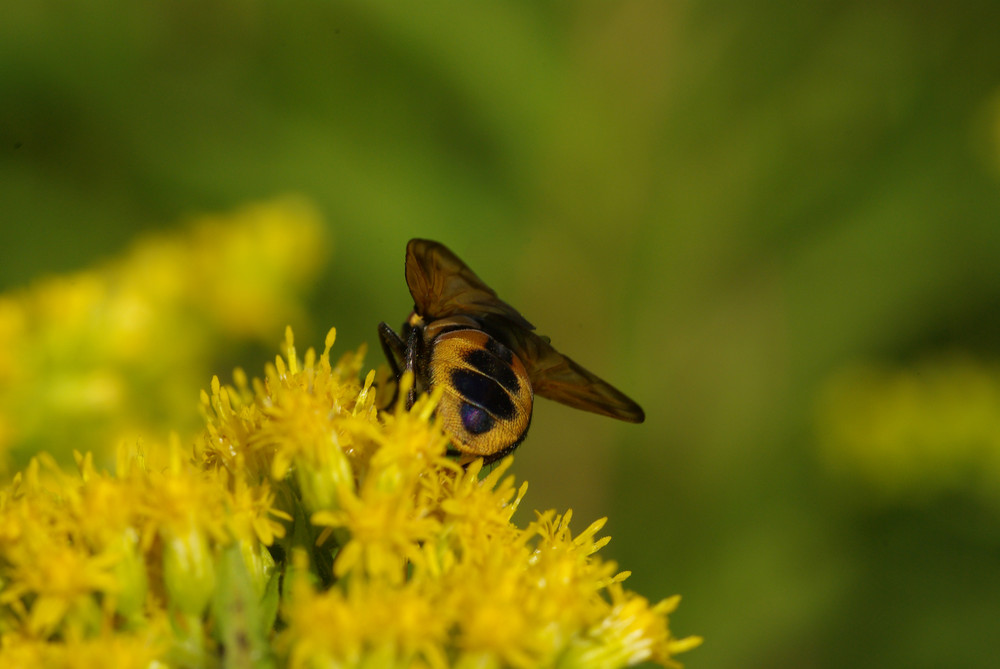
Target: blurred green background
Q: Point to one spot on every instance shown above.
(717, 206)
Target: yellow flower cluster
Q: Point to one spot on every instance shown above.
(306, 528)
(114, 351)
(910, 432)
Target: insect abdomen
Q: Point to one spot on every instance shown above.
(487, 395)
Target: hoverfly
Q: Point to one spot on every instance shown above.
(485, 355)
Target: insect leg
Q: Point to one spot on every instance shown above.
(393, 347)
(394, 350)
(413, 340)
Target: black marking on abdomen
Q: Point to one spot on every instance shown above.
(484, 392)
(493, 367)
(499, 350)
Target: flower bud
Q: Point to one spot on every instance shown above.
(188, 571)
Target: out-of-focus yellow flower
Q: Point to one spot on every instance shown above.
(109, 354)
(121, 650)
(913, 432)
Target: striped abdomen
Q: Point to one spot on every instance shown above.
(487, 397)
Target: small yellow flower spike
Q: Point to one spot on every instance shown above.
(909, 432)
(304, 529)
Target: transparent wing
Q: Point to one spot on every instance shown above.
(558, 377)
(442, 285)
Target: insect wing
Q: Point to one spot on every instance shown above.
(557, 377)
(442, 285)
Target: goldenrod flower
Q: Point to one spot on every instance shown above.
(114, 351)
(306, 529)
(122, 650)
